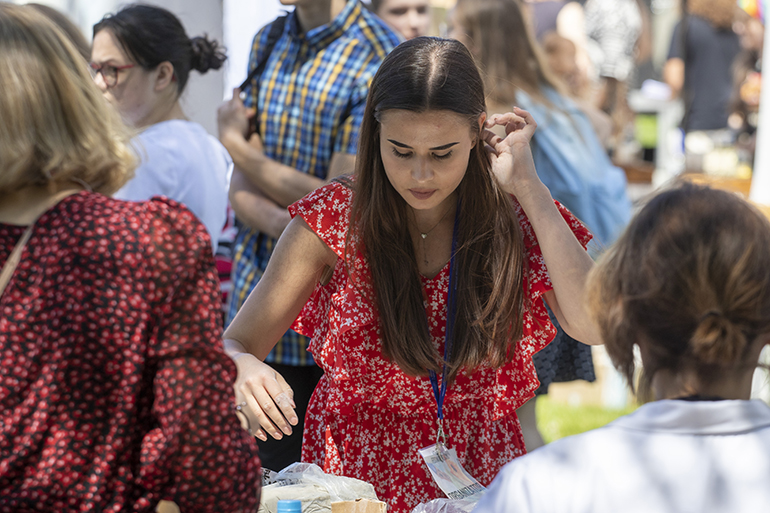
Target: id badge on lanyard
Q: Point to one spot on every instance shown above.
(443, 463)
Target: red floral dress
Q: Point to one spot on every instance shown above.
(367, 419)
(115, 391)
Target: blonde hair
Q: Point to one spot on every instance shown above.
(720, 13)
(689, 282)
(55, 126)
(505, 49)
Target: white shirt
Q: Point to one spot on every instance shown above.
(666, 457)
(181, 161)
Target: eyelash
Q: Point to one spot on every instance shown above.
(407, 155)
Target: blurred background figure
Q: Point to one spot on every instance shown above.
(614, 29)
(569, 158)
(115, 392)
(545, 16)
(699, 66)
(561, 54)
(410, 18)
(688, 285)
(142, 58)
(747, 80)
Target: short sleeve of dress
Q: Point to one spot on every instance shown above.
(327, 211)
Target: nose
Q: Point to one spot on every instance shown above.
(422, 171)
(413, 19)
(100, 83)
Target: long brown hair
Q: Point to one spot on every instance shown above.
(438, 74)
(689, 282)
(505, 49)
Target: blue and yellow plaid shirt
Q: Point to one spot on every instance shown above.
(311, 103)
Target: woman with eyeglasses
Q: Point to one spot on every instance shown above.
(141, 60)
(115, 390)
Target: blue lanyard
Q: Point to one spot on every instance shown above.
(450, 321)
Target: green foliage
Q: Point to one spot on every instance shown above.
(556, 420)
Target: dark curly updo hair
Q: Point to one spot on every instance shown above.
(151, 35)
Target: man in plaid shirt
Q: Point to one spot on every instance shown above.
(311, 98)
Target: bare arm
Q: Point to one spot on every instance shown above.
(297, 264)
(282, 184)
(673, 75)
(255, 209)
(567, 262)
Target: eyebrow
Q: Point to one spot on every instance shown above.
(437, 148)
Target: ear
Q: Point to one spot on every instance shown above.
(165, 76)
(482, 119)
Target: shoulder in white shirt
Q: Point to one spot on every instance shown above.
(180, 160)
(667, 457)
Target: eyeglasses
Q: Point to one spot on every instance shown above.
(109, 72)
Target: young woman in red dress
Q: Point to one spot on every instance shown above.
(365, 268)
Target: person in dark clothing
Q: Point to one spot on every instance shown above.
(703, 49)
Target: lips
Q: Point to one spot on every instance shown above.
(422, 194)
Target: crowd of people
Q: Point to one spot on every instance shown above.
(430, 231)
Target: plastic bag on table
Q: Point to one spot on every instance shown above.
(316, 489)
(448, 505)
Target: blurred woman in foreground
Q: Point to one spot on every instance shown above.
(689, 284)
(115, 391)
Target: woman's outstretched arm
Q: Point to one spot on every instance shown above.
(295, 267)
(567, 262)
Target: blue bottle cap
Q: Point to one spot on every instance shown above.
(289, 507)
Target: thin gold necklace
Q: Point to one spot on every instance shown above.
(424, 235)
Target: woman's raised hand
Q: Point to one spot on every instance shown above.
(269, 404)
(511, 156)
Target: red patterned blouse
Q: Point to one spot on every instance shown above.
(367, 419)
(115, 391)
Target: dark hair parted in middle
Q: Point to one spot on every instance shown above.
(426, 74)
(151, 35)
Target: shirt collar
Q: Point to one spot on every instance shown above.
(727, 417)
(331, 30)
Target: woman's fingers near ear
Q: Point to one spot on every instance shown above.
(506, 120)
(490, 137)
(528, 119)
